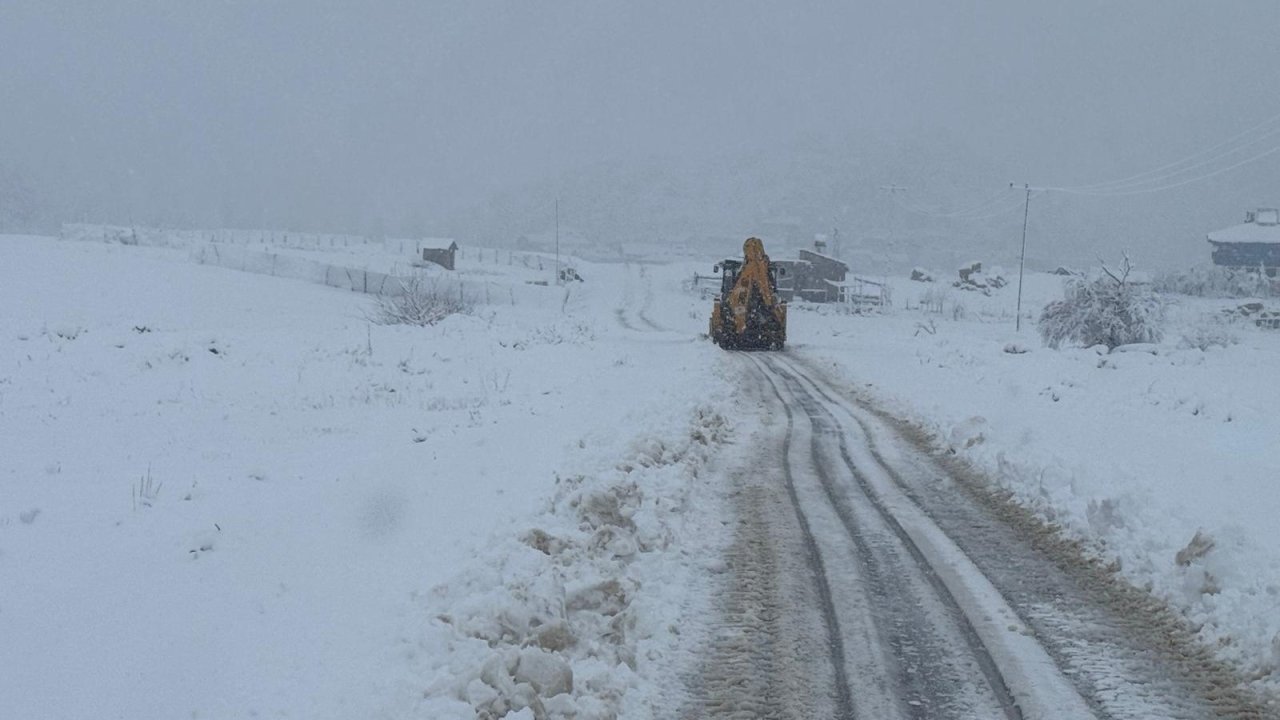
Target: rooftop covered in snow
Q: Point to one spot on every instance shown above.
(1260, 226)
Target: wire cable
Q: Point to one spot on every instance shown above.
(1170, 186)
(978, 207)
(1166, 172)
(1004, 211)
(1165, 177)
(978, 211)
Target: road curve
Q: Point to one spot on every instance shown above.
(633, 308)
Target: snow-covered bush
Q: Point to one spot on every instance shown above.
(557, 333)
(1107, 311)
(1217, 281)
(1206, 334)
(421, 301)
(934, 298)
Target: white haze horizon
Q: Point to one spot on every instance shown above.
(658, 121)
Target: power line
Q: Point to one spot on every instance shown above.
(1143, 177)
(1159, 179)
(995, 205)
(1005, 210)
(1160, 188)
(919, 210)
(1143, 185)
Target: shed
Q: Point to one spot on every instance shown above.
(442, 256)
(821, 277)
(790, 273)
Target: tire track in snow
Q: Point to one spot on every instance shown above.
(921, 657)
(648, 303)
(935, 658)
(763, 662)
(632, 314)
(621, 315)
(1122, 649)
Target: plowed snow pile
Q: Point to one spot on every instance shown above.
(578, 615)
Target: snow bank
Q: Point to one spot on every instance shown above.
(573, 616)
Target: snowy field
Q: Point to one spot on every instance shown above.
(224, 494)
(227, 494)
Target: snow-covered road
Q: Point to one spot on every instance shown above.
(636, 301)
(868, 580)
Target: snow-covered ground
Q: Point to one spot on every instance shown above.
(227, 494)
(224, 494)
(1135, 452)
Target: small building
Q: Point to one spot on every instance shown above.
(819, 277)
(442, 256)
(790, 272)
(1254, 244)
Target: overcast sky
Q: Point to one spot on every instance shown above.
(331, 114)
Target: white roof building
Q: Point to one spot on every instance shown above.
(1253, 244)
(1260, 226)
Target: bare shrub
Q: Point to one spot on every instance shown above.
(575, 333)
(1208, 333)
(145, 491)
(419, 300)
(934, 298)
(1107, 311)
(1218, 282)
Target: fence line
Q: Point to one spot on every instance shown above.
(368, 282)
(227, 249)
(404, 247)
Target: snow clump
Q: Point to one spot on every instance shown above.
(552, 623)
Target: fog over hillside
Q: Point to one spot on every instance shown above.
(650, 121)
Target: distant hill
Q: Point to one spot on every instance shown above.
(786, 198)
(788, 195)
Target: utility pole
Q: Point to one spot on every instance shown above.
(1022, 260)
(557, 239)
(891, 189)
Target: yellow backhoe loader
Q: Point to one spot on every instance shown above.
(748, 315)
